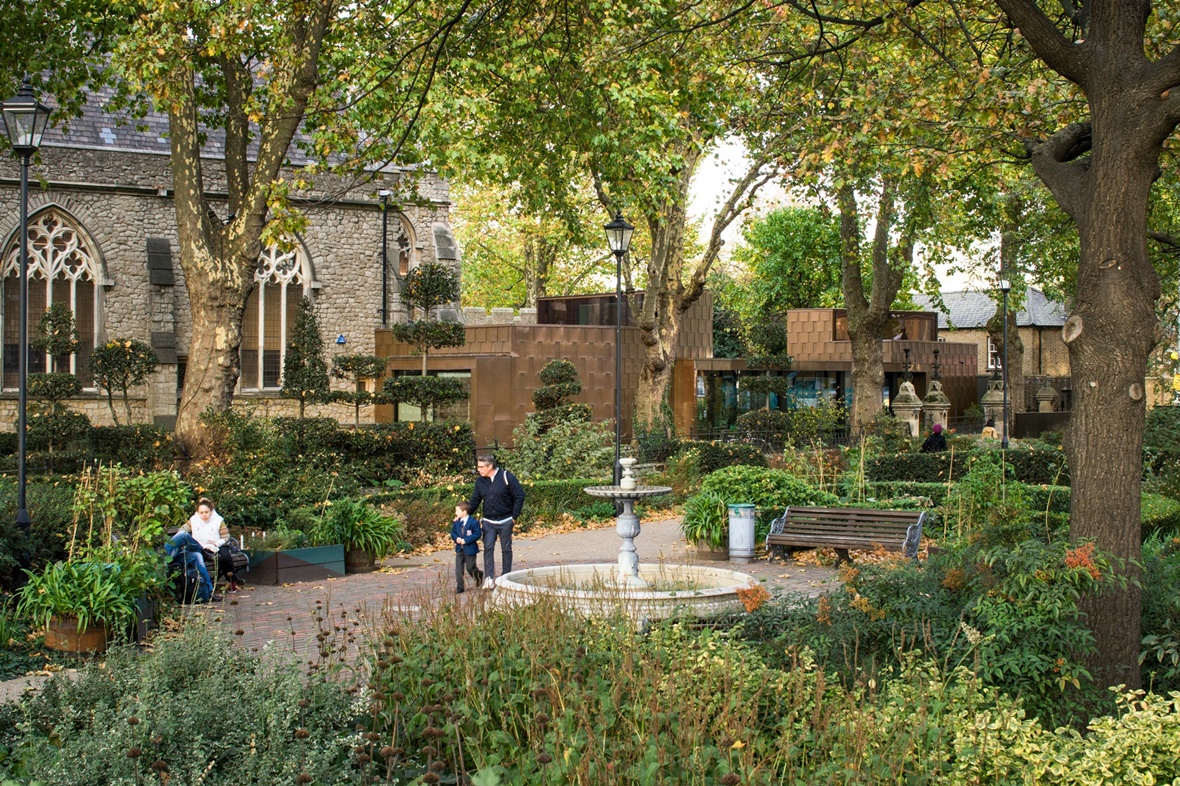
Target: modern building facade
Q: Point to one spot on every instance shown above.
(505, 352)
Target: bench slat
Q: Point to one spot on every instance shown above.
(844, 528)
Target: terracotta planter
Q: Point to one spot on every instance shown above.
(358, 561)
(62, 635)
(707, 554)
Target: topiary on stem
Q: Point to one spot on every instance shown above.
(357, 368)
(305, 372)
(426, 287)
(57, 334)
(121, 364)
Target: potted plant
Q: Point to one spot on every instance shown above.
(706, 524)
(80, 604)
(365, 532)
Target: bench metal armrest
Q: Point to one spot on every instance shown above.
(776, 528)
(913, 537)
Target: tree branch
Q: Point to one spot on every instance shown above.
(1059, 53)
(1056, 162)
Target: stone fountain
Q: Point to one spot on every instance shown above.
(644, 591)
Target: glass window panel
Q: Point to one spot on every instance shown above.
(11, 331)
(249, 350)
(85, 294)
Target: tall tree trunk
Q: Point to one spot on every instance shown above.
(867, 316)
(1110, 334)
(219, 259)
(670, 289)
(213, 361)
(539, 256)
(1112, 328)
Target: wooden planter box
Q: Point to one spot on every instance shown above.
(62, 635)
(285, 567)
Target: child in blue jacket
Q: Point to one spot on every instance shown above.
(465, 531)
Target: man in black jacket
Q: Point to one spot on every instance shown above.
(502, 498)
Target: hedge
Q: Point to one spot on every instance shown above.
(544, 500)
(1033, 465)
(718, 455)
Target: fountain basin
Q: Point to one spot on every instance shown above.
(595, 589)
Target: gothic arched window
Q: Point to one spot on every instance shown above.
(280, 281)
(405, 247)
(64, 267)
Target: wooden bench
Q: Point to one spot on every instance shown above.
(847, 528)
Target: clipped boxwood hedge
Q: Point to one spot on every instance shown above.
(1034, 464)
(718, 455)
(1160, 514)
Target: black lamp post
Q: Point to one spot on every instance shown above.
(384, 256)
(25, 119)
(1005, 286)
(618, 237)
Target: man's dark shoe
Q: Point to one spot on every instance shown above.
(459, 591)
(215, 598)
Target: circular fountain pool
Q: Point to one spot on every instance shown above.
(595, 589)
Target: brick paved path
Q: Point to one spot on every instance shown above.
(285, 617)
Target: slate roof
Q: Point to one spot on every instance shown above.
(121, 131)
(966, 310)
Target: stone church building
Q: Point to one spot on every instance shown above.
(102, 232)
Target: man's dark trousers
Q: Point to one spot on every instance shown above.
(490, 531)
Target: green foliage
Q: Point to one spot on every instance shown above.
(430, 285)
(559, 381)
(57, 334)
(358, 367)
(770, 490)
(91, 592)
(121, 364)
(137, 446)
(135, 507)
(706, 520)
(1159, 514)
(425, 392)
(792, 259)
(207, 710)
(1029, 463)
(657, 444)
(271, 466)
(428, 334)
(1161, 449)
(53, 388)
(1160, 656)
(611, 704)
(558, 450)
(805, 425)
(305, 372)
(51, 508)
(1037, 640)
(47, 431)
(712, 456)
(357, 525)
(405, 451)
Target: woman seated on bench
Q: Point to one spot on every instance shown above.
(208, 528)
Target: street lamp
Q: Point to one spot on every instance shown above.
(1005, 285)
(618, 237)
(385, 195)
(25, 119)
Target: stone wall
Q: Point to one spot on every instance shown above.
(120, 199)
